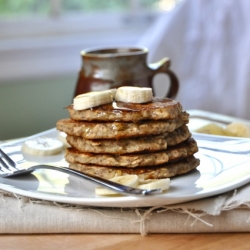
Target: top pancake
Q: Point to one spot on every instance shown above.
(157, 109)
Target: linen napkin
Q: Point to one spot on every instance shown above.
(228, 212)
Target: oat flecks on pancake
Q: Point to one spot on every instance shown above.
(174, 153)
(159, 108)
(115, 130)
(130, 145)
(166, 170)
(150, 140)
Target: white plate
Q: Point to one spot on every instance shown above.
(225, 165)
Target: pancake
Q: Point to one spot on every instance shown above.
(116, 130)
(150, 139)
(166, 170)
(130, 145)
(157, 109)
(174, 153)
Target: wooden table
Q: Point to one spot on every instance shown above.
(126, 241)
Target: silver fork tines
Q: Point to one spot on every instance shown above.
(9, 168)
(8, 160)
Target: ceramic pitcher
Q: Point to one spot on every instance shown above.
(114, 67)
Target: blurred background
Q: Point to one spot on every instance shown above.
(41, 40)
(40, 44)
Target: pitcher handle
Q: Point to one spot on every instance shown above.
(162, 66)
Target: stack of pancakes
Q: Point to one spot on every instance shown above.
(150, 140)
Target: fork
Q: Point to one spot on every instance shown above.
(9, 168)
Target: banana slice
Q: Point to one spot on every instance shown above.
(113, 92)
(93, 99)
(42, 146)
(155, 184)
(134, 94)
(213, 129)
(238, 129)
(127, 180)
